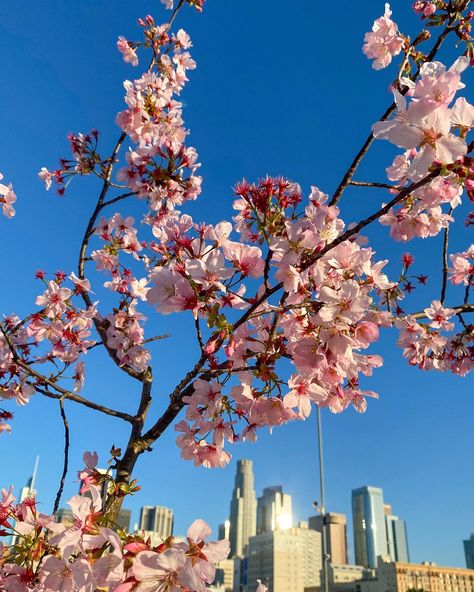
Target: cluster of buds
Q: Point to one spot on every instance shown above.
(84, 160)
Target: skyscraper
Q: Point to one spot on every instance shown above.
(397, 542)
(273, 510)
(29, 489)
(243, 509)
(469, 552)
(336, 535)
(158, 520)
(370, 534)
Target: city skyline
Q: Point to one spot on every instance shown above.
(134, 517)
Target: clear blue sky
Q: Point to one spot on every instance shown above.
(281, 88)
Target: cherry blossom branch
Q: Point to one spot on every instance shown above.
(99, 324)
(462, 308)
(370, 138)
(64, 393)
(66, 456)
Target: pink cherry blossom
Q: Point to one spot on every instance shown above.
(384, 41)
(7, 199)
(127, 50)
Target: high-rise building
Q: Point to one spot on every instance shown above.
(469, 552)
(336, 535)
(157, 520)
(243, 509)
(397, 541)
(274, 510)
(224, 530)
(29, 490)
(285, 560)
(370, 534)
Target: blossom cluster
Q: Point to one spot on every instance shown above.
(384, 41)
(58, 334)
(90, 555)
(85, 160)
(424, 128)
(425, 345)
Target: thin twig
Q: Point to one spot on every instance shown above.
(81, 401)
(374, 184)
(156, 338)
(118, 198)
(444, 258)
(66, 456)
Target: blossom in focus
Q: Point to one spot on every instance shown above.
(384, 41)
(430, 133)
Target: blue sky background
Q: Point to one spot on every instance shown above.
(281, 88)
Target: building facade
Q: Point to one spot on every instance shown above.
(343, 578)
(469, 552)
(225, 575)
(243, 509)
(158, 520)
(429, 577)
(336, 535)
(285, 560)
(370, 535)
(274, 510)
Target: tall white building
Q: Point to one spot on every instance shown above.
(285, 560)
(29, 490)
(157, 520)
(274, 510)
(243, 509)
(224, 530)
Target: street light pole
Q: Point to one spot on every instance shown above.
(323, 504)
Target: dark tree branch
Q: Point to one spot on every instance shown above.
(444, 259)
(66, 456)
